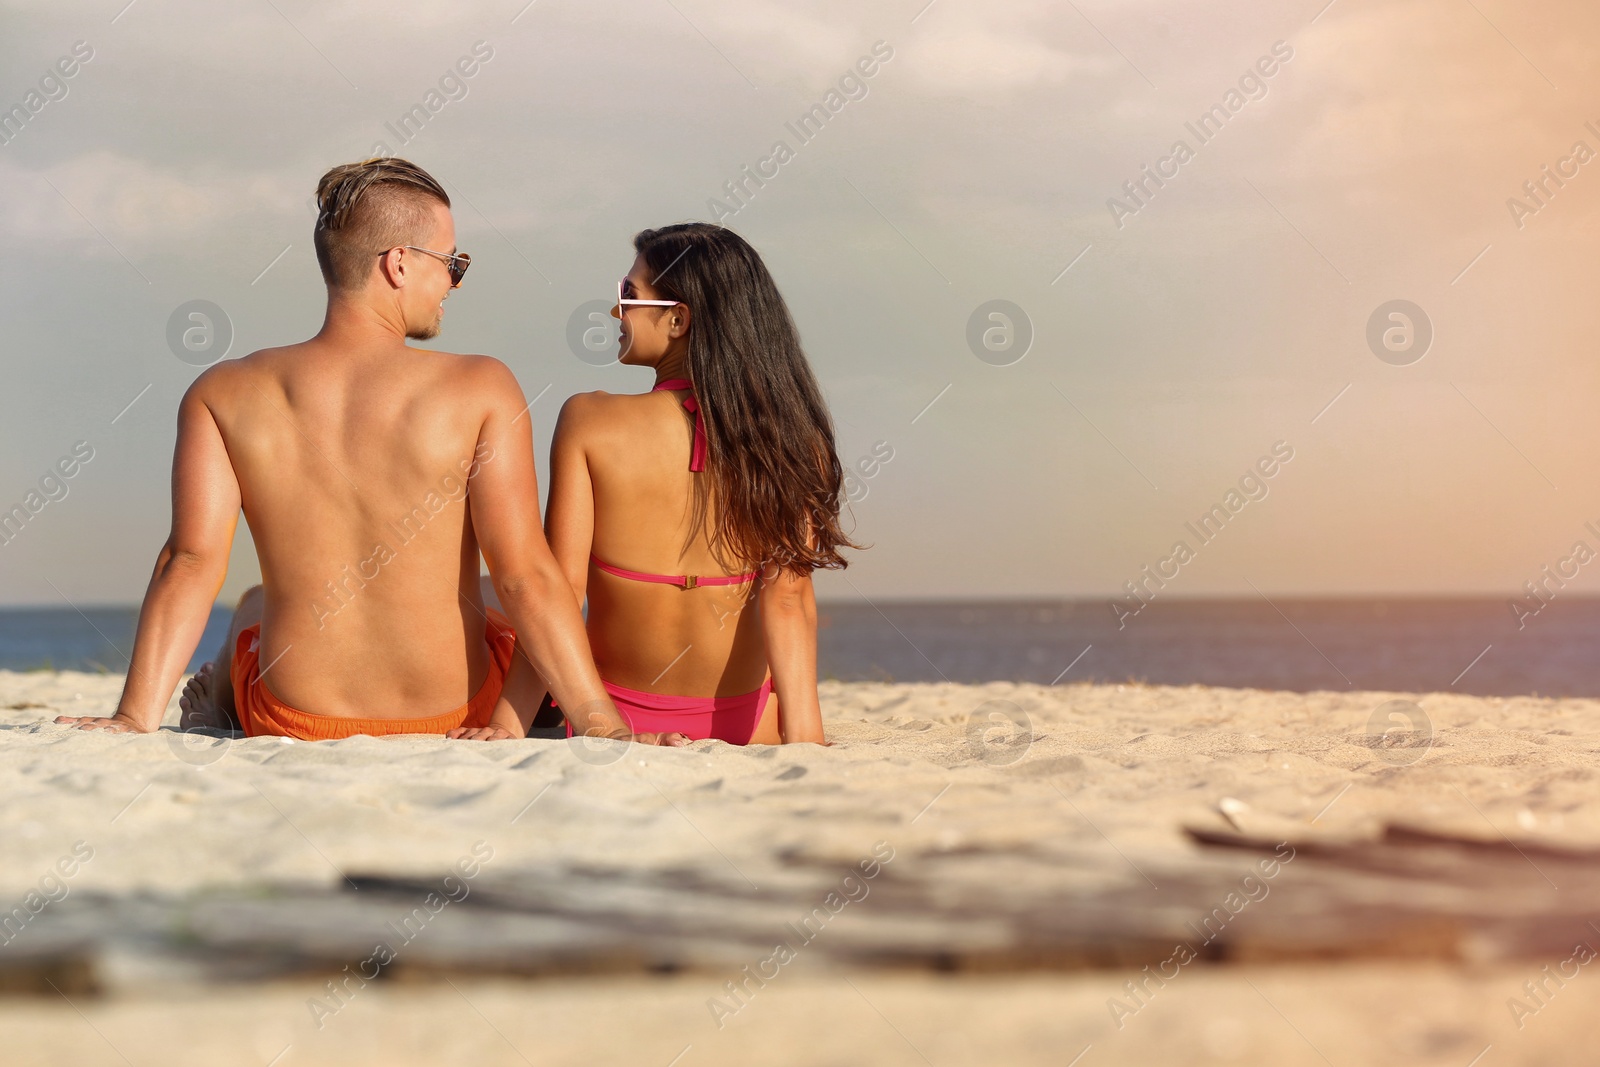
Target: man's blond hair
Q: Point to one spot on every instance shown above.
(364, 209)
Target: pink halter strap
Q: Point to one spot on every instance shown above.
(697, 455)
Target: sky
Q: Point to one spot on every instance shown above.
(1065, 376)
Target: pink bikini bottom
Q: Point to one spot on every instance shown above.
(731, 719)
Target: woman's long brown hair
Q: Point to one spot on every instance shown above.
(776, 482)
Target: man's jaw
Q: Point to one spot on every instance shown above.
(429, 332)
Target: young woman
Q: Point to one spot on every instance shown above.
(692, 516)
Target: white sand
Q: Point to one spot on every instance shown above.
(1113, 770)
(1366, 1016)
(167, 812)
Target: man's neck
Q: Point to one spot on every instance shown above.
(351, 320)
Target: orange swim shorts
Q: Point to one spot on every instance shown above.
(262, 714)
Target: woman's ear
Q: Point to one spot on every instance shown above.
(678, 321)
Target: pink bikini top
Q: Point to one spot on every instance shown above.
(697, 462)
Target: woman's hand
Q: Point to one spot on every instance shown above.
(667, 740)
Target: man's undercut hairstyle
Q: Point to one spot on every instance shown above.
(364, 209)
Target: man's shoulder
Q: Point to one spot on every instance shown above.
(230, 374)
(464, 360)
(471, 371)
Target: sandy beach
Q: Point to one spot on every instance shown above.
(1157, 432)
(1031, 850)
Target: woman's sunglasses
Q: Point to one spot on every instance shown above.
(456, 264)
(625, 299)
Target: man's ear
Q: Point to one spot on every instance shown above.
(678, 321)
(392, 266)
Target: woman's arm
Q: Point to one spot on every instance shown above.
(788, 607)
(569, 519)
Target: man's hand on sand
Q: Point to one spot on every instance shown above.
(481, 733)
(113, 725)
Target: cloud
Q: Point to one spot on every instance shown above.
(138, 204)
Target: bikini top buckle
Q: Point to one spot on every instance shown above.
(689, 581)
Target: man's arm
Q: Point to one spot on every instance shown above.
(188, 575)
(788, 608)
(569, 529)
(533, 591)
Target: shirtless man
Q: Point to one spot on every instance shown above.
(371, 474)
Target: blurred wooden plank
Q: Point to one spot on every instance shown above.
(1408, 894)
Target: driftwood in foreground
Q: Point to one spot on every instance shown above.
(1406, 894)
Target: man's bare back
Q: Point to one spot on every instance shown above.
(372, 475)
(353, 464)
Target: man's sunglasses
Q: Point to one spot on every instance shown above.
(456, 264)
(625, 299)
